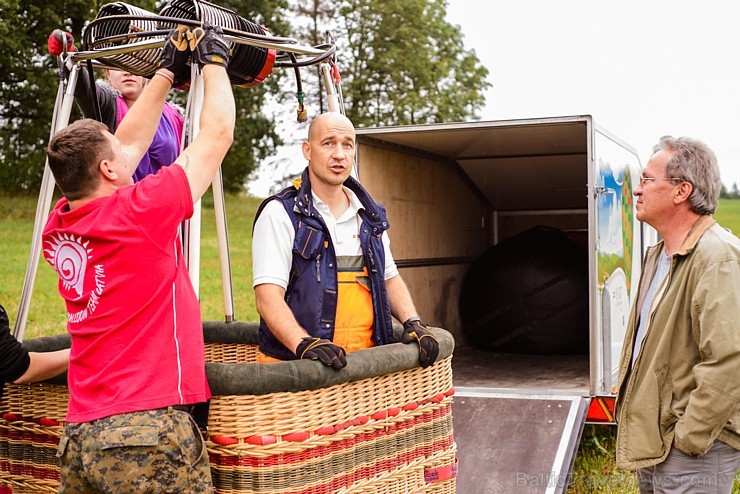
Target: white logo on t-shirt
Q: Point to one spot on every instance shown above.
(69, 256)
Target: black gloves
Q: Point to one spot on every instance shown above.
(415, 330)
(209, 45)
(175, 55)
(206, 44)
(323, 350)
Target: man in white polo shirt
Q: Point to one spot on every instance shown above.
(324, 277)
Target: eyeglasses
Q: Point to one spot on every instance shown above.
(652, 179)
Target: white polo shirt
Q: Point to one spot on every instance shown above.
(272, 244)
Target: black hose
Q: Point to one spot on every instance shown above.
(302, 114)
(91, 80)
(313, 61)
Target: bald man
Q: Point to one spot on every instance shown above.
(324, 277)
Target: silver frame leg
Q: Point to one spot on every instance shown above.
(60, 119)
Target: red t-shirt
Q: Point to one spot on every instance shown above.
(132, 313)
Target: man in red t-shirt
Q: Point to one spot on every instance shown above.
(137, 359)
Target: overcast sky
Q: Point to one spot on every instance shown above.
(642, 69)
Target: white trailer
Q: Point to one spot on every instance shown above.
(454, 190)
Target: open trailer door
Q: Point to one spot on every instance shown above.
(518, 416)
(516, 443)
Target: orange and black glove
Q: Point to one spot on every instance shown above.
(415, 330)
(175, 55)
(60, 42)
(209, 45)
(322, 350)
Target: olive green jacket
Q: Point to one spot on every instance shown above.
(684, 388)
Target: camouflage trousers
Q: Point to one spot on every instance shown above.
(155, 451)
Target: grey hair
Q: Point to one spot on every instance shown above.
(694, 162)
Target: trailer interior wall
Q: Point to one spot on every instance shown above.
(438, 226)
(452, 193)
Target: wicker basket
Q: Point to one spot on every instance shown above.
(381, 425)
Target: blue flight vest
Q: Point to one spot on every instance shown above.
(312, 287)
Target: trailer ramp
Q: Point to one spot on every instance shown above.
(521, 442)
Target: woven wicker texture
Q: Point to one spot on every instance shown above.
(231, 353)
(36, 401)
(280, 414)
(23, 484)
(378, 434)
(31, 423)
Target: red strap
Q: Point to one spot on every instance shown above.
(438, 474)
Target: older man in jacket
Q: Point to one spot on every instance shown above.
(678, 408)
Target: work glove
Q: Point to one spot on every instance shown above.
(208, 45)
(415, 330)
(323, 350)
(59, 42)
(175, 55)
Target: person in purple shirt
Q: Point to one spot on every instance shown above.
(115, 99)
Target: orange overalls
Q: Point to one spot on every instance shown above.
(353, 327)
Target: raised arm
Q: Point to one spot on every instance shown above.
(204, 155)
(106, 96)
(137, 129)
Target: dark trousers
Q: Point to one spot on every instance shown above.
(680, 473)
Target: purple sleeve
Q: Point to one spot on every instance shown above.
(177, 120)
(165, 146)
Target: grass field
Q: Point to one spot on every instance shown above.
(47, 314)
(728, 215)
(594, 467)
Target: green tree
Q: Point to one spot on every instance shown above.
(403, 63)
(28, 84)
(255, 136)
(319, 15)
